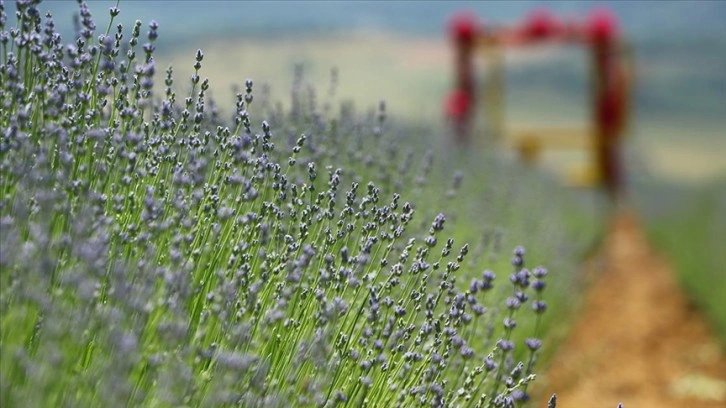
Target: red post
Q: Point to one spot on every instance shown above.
(610, 98)
(459, 103)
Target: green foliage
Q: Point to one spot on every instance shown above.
(688, 225)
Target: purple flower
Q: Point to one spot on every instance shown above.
(505, 345)
(512, 303)
(490, 364)
(488, 275)
(533, 344)
(438, 223)
(539, 272)
(539, 306)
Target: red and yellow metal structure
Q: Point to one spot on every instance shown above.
(611, 82)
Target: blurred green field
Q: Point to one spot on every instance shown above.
(688, 225)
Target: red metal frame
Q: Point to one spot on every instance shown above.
(600, 33)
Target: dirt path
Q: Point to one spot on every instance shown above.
(638, 340)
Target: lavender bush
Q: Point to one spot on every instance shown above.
(155, 253)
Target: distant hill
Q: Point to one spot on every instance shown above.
(186, 20)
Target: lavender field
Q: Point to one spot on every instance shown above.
(220, 222)
(156, 252)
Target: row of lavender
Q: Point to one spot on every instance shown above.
(156, 253)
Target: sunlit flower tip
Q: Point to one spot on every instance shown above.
(438, 223)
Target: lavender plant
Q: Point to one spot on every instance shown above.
(156, 254)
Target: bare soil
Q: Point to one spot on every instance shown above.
(638, 340)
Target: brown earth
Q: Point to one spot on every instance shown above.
(637, 339)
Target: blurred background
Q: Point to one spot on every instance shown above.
(399, 51)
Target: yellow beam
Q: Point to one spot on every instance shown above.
(551, 138)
